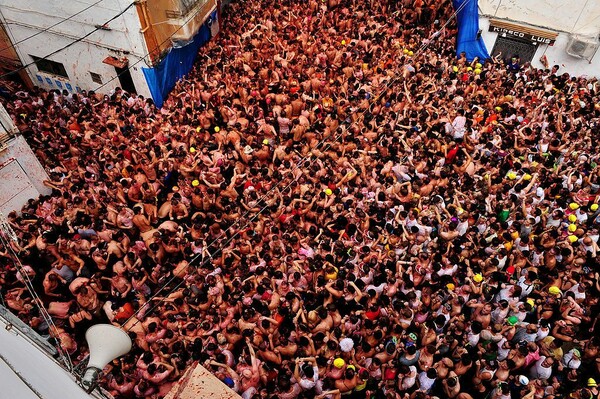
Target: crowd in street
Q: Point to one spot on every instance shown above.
(330, 205)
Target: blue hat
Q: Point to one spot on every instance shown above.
(229, 382)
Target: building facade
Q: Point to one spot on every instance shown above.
(21, 174)
(544, 32)
(95, 45)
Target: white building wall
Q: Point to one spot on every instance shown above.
(27, 371)
(582, 17)
(566, 17)
(21, 174)
(24, 18)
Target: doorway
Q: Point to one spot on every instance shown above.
(125, 79)
(510, 47)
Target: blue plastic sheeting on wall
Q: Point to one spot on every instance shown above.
(468, 27)
(162, 77)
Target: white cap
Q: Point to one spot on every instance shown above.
(346, 344)
(539, 192)
(523, 380)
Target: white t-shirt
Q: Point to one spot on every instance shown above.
(473, 339)
(502, 352)
(409, 381)
(307, 383)
(539, 371)
(575, 290)
(462, 228)
(569, 361)
(542, 333)
(527, 287)
(458, 127)
(425, 383)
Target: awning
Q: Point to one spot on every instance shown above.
(523, 31)
(116, 62)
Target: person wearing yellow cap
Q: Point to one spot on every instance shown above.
(195, 183)
(572, 238)
(328, 191)
(594, 207)
(450, 286)
(554, 290)
(572, 218)
(339, 363)
(531, 302)
(573, 206)
(478, 278)
(591, 383)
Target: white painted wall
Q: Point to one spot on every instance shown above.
(23, 18)
(567, 17)
(570, 16)
(21, 174)
(28, 372)
(7, 127)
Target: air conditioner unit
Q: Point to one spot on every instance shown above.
(582, 47)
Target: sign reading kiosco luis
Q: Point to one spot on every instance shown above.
(523, 33)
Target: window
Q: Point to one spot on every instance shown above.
(96, 78)
(51, 67)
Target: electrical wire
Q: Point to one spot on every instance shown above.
(8, 238)
(296, 166)
(51, 26)
(70, 44)
(302, 160)
(150, 52)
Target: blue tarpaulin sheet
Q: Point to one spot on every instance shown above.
(163, 76)
(468, 28)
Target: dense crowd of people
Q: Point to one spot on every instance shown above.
(322, 210)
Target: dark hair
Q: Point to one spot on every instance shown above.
(308, 371)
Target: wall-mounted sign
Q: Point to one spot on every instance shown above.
(523, 32)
